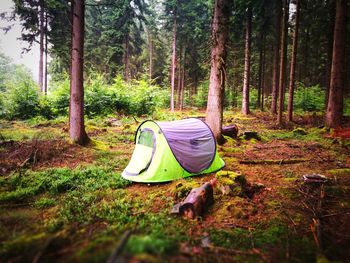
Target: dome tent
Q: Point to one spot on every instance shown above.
(166, 151)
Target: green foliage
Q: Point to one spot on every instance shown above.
(22, 186)
(149, 244)
(44, 202)
(20, 99)
(309, 98)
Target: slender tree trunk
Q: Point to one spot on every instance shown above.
(283, 62)
(219, 34)
(182, 93)
(46, 52)
(150, 45)
(41, 44)
(246, 77)
(178, 91)
(76, 105)
(173, 63)
(293, 63)
(335, 102)
(263, 75)
(276, 58)
(127, 73)
(260, 71)
(331, 8)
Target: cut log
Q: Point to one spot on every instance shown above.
(198, 200)
(230, 131)
(248, 135)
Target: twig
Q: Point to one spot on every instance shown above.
(116, 253)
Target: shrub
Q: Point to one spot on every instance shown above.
(21, 96)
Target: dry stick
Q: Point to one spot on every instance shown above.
(114, 256)
(279, 162)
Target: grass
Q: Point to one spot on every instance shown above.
(23, 185)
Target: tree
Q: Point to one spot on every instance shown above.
(219, 34)
(77, 131)
(335, 101)
(276, 56)
(173, 61)
(247, 51)
(283, 62)
(293, 63)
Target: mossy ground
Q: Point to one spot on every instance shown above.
(62, 202)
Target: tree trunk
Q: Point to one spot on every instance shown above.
(246, 77)
(182, 91)
(335, 101)
(293, 63)
(331, 8)
(127, 73)
(276, 58)
(178, 91)
(76, 105)
(219, 36)
(46, 52)
(261, 62)
(263, 75)
(173, 62)
(283, 60)
(150, 43)
(41, 44)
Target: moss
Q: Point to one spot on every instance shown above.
(150, 244)
(339, 172)
(44, 202)
(299, 131)
(182, 188)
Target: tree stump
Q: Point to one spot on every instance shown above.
(230, 131)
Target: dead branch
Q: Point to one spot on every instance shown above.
(279, 162)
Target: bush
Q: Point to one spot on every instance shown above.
(21, 97)
(136, 97)
(309, 98)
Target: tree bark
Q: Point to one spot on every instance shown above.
(127, 73)
(260, 74)
(219, 34)
(150, 44)
(293, 63)
(41, 44)
(276, 58)
(178, 91)
(263, 76)
(246, 77)
(173, 62)
(182, 91)
(46, 52)
(283, 60)
(335, 101)
(76, 105)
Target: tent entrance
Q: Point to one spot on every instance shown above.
(143, 153)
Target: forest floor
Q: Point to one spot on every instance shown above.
(62, 202)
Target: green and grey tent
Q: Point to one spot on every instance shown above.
(167, 151)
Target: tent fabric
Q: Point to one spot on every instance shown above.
(166, 151)
(192, 143)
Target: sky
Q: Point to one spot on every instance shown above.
(12, 47)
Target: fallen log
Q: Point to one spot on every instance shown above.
(230, 131)
(197, 201)
(279, 162)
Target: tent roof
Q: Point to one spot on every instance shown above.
(191, 141)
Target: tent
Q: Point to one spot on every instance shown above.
(167, 151)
